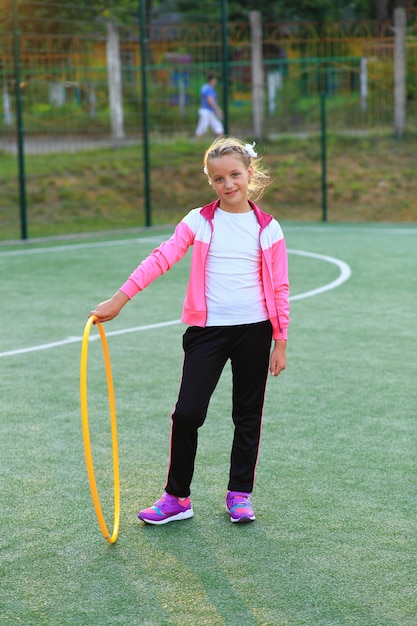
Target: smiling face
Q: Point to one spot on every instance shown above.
(230, 179)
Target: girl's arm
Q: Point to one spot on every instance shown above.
(158, 262)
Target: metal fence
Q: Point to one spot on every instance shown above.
(66, 115)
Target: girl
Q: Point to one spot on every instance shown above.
(236, 303)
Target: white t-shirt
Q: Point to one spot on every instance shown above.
(234, 290)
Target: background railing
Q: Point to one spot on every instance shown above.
(76, 169)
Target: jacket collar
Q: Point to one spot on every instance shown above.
(263, 218)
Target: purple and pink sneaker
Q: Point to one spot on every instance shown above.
(239, 506)
(167, 509)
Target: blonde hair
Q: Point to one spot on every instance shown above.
(260, 178)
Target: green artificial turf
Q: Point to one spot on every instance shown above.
(335, 538)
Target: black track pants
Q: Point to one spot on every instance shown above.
(206, 352)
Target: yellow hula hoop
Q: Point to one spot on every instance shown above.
(111, 538)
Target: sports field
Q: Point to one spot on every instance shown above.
(335, 539)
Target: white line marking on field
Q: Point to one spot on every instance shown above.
(68, 340)
(345, 273)
(325, 228)
(79, 246)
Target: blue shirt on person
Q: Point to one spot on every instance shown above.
(207, 91)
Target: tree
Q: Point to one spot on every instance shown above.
(281, 10)
(65, 19)
(382, 9)
(53, 17)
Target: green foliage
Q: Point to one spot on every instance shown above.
(282, 10)
(62, 17)
(59, 17)
(370, 178)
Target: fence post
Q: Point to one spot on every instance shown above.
(257, 73)
(400, 88)
(142, 21)
(323, 156)
(19, 122)
(114, 78)
(225, 67)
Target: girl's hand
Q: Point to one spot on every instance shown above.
(109, 309)
(278, 359)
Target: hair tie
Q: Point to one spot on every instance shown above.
(205, 170)
(249, 147)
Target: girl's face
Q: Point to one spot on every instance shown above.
(230, 179)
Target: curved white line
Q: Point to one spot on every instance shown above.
(345, 273)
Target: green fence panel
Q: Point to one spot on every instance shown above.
(78, 178)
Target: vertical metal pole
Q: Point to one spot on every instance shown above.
(225, 67)
(257, 74)
(146, 168)
(19, 122)
(323, 157)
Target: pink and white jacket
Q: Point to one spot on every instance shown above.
(195, 229)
